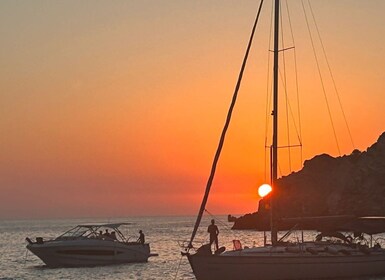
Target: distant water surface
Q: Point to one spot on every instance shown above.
(163, 233)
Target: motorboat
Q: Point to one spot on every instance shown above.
(89, 245)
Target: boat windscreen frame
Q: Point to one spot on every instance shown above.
(86, 231)
(120, 234)
(73, 232)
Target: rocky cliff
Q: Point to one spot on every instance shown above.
(349, 185)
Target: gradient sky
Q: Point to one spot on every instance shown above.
(114, 108)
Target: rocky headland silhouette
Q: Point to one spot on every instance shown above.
(326, 186)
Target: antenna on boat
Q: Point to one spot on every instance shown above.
(274, 163)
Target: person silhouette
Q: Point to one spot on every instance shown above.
(141, 237)
(106, 233)
(213, 231)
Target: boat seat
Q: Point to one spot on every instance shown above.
(237, 245)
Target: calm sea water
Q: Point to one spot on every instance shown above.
(164, 234)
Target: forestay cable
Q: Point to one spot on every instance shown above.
(223, 135)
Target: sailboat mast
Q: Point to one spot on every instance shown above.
(274, 164)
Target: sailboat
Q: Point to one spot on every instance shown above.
(317, 259)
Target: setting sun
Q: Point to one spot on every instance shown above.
(264, 190)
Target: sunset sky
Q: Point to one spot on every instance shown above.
(115, 108)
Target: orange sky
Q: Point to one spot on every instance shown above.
(114, 108)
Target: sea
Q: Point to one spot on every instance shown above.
(166, 235)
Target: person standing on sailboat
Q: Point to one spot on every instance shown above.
(213, 231)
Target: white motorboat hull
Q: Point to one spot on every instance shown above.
(89, 252)
(286, 266)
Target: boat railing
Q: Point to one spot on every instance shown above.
(40, 239)
(184, 244)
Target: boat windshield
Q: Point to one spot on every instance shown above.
(93, 232)
(75, 232)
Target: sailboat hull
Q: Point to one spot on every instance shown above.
(221, 267)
